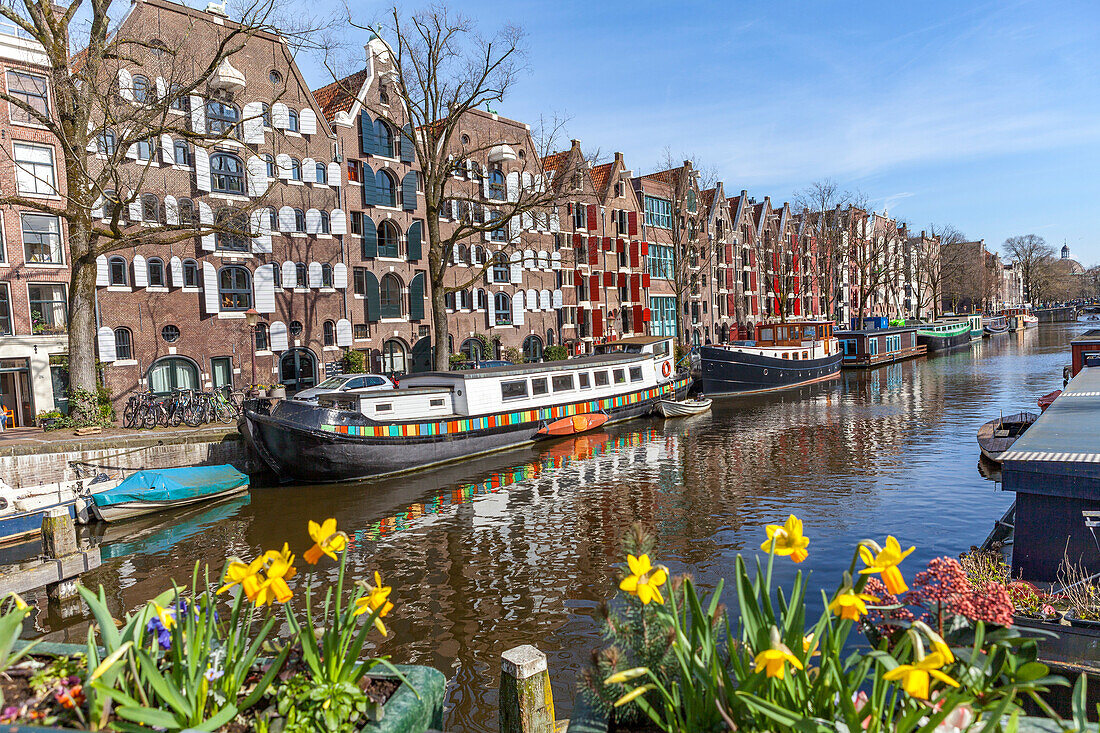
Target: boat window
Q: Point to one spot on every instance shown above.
(786, 355)
(538, 386)
(635, 374)
(384, 407)
(660, 348)
(601, 379)
(435, 403)
(808, 332)
(582, 378)
(514, 390)
(767, 334)
(805, 355)
(620, 376)
(562, 382)
(795, 356)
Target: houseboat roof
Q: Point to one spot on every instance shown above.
(1064, 439)
(874, 331)
(1093, 334)
(583, 362)
(634, 341)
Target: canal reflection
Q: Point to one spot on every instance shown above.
(520, 547)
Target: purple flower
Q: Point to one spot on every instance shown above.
(163, 634)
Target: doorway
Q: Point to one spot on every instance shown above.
(15, 391)
(298, 370)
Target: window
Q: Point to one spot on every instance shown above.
(582, 379)
(388, 240)
(322, 173)
(387, 189)
(660, 261)
(105, 143)
(142, 93)
(384, 136)
(562, 382)
(329, 333)
(295, 169)
(42, 239)
(180, 101)
(635, 374)
(292, 121)
(359, 280)
(532, 349)
(190, 274)
(181, 152)
(389, 292)
(326, 223)
(601, 379)
(295, 328)
(499, 234)
(123, 344)
(48, 308)
(156, 272)
(226, 173)
(620, 376)
(361, 331)
(357, 223)
(233, 230)
(170, 333)
(299, 220)
(501, 270)
(221, 119)
(34, 169)
(353, 171)
(221, 372)
(326, 275)
(496, 185)
(171, 374)
(580, 218)
(150, 207)
(269, 161)
(394, 357)
(275, 77)
(273, 218)
(658, 212)
(262, 341)
(5, 310)
(117, 271)
(301, 272)
(33, 91)
(503, 306)
(538, 387)
(513, 390)
(187, 212)
(234, 288)
(146, 149)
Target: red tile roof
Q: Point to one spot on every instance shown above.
(668, 176)
(339, 96)
(706, 198)
(601, 174)
(554, 161)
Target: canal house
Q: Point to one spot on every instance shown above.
(868, 347)
(1054, 468)
(1084, 347)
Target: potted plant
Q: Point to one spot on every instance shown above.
(277, 392)
(257, 391)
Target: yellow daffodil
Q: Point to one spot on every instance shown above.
(849, 605)
(787, 539)
(809, 647)
(636, 692)
(326, 541)
(884, 561)
(375, 600)
(275, 588)
(18, 602)
(774, 661)
(244, 574)
(167, 618)
(626, 675)
(915, 677)
(644, 580)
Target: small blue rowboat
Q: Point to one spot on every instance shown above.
(146, 492)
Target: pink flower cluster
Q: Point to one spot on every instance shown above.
(877, 588)
(945, 588)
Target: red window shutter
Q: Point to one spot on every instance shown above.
(645, 249)
(622, 246)
(578, 279)
(594, 285)
(752, 282)
(594, 250)
(638, 318)
(622, 280)
(597, 323)
(645, 280)
(752, 259)
(756, 306)
(795, 278)
(729, 254)
(592, 217)
(608, 245)
(797, 306)
(647, 315)
(578, 241)
(731, 304)
(569, 208)
(632, 222)
(635, 288)
(634, 254)
(729, 279)
(609, 279)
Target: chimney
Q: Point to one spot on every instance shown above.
(618, 157)
(575, 144)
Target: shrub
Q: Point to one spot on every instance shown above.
(557, 352)
(355, 362)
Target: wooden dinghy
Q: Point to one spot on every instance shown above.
(573, 424)
(674, 408)
(997, 436)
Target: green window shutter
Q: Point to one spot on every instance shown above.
(414, 237)
(370, 239)
(370, 187)
(408, 192)
(374, 302)
(416, 297)
(408, 150)
(368, 141)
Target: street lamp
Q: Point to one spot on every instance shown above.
(252, 318)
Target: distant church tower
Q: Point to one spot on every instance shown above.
(1065, 251)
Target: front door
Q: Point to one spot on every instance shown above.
(221, 369)
(298, 370)
(422, 355)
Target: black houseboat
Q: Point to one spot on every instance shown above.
(868, 347)
(783, 355)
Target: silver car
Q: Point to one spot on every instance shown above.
(344, 383)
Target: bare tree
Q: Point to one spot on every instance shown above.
(826, 201)
(1034, 257)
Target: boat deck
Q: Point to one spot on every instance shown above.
(862, 361)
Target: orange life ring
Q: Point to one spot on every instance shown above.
(666, 368)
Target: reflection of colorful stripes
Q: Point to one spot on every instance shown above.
(503, 419)
(493, 483)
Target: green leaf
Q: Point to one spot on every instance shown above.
(161, 686)
(1080, 704)
(222, 717)
(265, 682)
(151, 717)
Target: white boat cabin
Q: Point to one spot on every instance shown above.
(795, 340)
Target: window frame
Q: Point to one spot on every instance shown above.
(56, 247)
(513, 384)
(126, 343)
(219, 177)
(13, 110)
(388, 306)
(240, 295)
(33, 171)
(63, 310)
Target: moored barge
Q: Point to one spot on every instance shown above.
(994, 325)
(943, 335)
(438, 417)
(868, 347)
(783, 355)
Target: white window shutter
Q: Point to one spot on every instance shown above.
(307, 122)
(338, 222)
(263, 286)
(544, 260)
(532, 299)
(555, 261)
(125, 90)
(141, 272)
(517, 309)
(206, 219)
(491, 307)
(309, 170)
(340, 275)
(529, 262)
(485, 186)
(280, 116)
(210, 288)
(106, 339)
(286, 219)
(454, 253)
(278, 336)
(167, 149)
(516, 267)
(290, 275)
(97, 209)
(261, 231)
(131, 151)
(528, 181)
(315, 274)
(171, 210)
(557, 299)
(135, 209)
(526, 221)
(175, 267)
(253, 123)
(555, 221)
(198, 114)
(282, 164)
(511, 186)
(544, 300)
(313, 221)
(343, 332)
(334, 174)
(256, 168)
(202, 169)
(162, 88)
(513, 230)
(102, 279)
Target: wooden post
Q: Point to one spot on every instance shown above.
(526, 701)
(58, 541)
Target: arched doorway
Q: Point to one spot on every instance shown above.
(422, 355)
(474, 349)
(532, 349)
(298, 370)
(173, 373)
(395, 357)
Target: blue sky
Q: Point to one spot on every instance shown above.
(985, 116)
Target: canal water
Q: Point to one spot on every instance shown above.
(520, 547)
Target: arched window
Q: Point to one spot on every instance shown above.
(105, 143)
(461, 253)
(301, 271)
(142, 92)
(500, 234)
(235, 288)
(299, 220)
(190, 274)
(186, 209)
(146, 149)
(473, 349)
(226, 173)
(387, 188)
(532, 348)
(394, 357)
(330, 333)
(322, 173)
(501, 271)
(150, 207)
(277, 272)
(124, 350)
(388, 240)
(326, 223)
(389, 291)
(466, 303)
(222, 118)
(273, 218)
(181, 152)
(326, 275)
(233, 230)
(265, 116)
(156, 272)
(477, 254)
(496, 185)
(118, 272)
(292, 121)
(384, 135)
(550, 337)
(295, 169)
(502, 304)
(269, 161)
(172, 373)
(262, 341)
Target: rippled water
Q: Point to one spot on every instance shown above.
(518, 547)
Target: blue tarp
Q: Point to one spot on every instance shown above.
(173, 484)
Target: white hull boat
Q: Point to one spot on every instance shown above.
(674, 408)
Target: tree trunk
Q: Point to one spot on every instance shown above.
(82, 325)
